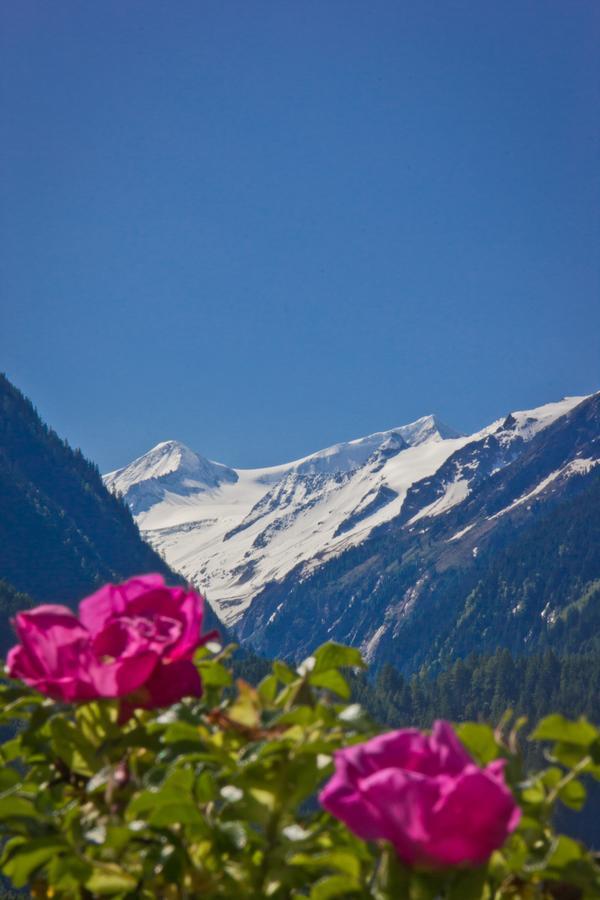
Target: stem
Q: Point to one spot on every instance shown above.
(570, 776)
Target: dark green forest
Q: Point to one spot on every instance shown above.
(61, 532)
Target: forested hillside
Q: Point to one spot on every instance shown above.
(61, 532)
(484, 688)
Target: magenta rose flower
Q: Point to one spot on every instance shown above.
(133, 640)
(425, 795)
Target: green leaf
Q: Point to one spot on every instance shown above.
(533, 792)
(12, 749)
(571, 755)
(564, 851)
(573, 794)
(267, 688)
(214, 674)
(98, 720)
(334, 656)
(30, 855)
(9, 777)
(16, 807)
(175, 814)
(67, 873)
(557, 728)
(331, 680)
(246, 707)
(337, 886)
(343, 860)
(204, 788)
(283, 672)
(479, 740)
(117, 836)
(299, 715)
(181, 732)
(550, 777)
(71, 746)
(110, 879)
(175, 789)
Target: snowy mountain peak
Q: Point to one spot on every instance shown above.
(526, 423)
(165, 458)
(232, 532)
(170, 467)
(351, 455)
(427, 428)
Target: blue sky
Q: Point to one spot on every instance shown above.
(262, 227)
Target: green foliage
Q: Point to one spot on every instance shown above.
(216, 798)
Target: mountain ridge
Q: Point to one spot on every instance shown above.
(400, 591)
(233, 536)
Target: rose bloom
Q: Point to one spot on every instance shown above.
(425, 795)
(136, 638)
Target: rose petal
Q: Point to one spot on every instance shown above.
(124, 676)
(404, 749)
(117, 639)
(191, 611)
(69, 689)
(170, 683)
(474, 817)
(97, 609)
(113, 600)
(345, 802)
(451, 754)
(405, 801)
(45, 630)
(20, 664)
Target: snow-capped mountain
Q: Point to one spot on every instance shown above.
(498, 548)
(169, 468)
(234, 531)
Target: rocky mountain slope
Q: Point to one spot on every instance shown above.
(258, 540)
(511, 565)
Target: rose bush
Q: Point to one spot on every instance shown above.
(133, 640)
(216, 796)
(425, 795)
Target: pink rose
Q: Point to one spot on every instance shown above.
(425, 795)
(133, 638)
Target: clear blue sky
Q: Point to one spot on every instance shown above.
(262, 227)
